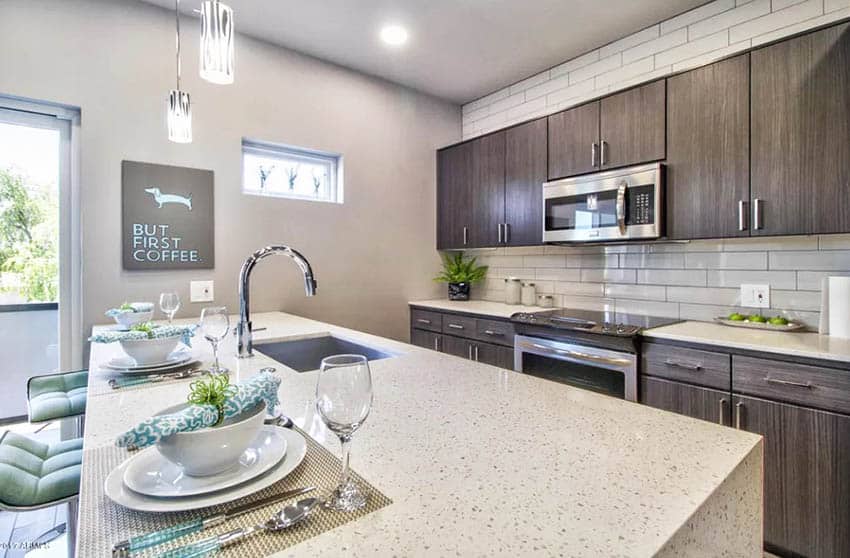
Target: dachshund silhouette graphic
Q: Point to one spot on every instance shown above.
(162, 199)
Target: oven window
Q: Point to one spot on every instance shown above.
(582, 376)
(583, 211)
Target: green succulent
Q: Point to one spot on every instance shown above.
(126, 306)
(147, 327)
(212, 390)
(458, 269)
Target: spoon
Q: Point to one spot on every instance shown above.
(284, 519)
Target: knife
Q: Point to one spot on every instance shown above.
(123, 549)
(117, 383)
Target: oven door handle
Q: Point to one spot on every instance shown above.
(594, 359)
(621, 206)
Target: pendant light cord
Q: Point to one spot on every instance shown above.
(177, 24)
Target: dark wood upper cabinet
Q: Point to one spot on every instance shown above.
(525, 173)
(800, 131)
(708, 151)
(703, 403)
(454, 193)
(806, 477)
(632, 126)
(488, 190)
(573, 141)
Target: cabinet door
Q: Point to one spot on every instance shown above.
(708, 151)
(800, 130)
(488, 190)
(698, 402)
(457, 346)
(496, 355)
(525, 173)
(632, 125)
(426, 339)
(573, 134)
(806, 476)
(454, 188)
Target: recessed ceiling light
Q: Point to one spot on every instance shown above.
(394, 35)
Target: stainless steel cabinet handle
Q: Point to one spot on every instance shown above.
(476, 353)
(602, 149)
(807, 385)
(686, 365)
(500, 233)
(436, 343)
(739, 410)
(757, 224)
(455, 326)
(423, 321)
(470, 352)
(491, 332)
(722, 420)
(742, 215)
(465, 236)
(582, 356)
(507, 234)
(593, 154)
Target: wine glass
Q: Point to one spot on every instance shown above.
(169, 303)
(215, 323)
(343, 400)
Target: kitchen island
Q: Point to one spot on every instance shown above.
(481, 461)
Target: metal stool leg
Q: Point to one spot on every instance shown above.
(73, 509)
(79, 424)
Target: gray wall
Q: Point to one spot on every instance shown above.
(115, 60)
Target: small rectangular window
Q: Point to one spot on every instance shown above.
(284, 171)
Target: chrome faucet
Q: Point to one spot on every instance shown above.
(244, 333)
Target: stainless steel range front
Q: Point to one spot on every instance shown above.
(622, 204)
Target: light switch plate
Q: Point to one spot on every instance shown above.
(201, 291)
(755, 296)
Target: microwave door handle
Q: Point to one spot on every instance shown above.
(621, 207)
(582, 357)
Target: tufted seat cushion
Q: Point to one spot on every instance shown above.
(33, 473)
(57, 395)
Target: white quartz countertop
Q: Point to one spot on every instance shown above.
(482, 461)
(801, 344)
(480, 307)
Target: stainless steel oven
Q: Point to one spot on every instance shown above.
(622, 204)
(607, 371)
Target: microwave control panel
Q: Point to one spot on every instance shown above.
(640, 205)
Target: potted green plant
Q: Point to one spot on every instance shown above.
(460, 272)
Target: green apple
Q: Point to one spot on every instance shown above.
(736, 317)
(758, 319)
(778, 320)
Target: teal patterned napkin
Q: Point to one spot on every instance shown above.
(134, 307)
(262, 387)
(156, 332)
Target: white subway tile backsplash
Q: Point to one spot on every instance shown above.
(832, 5)
(706, 312)
(729, 18)
(653, 261)
(826, 260)
(834, 241)
(694, 48)
(547, 87)
(776, 20)
(630, 41)
(596, 68)
(697, 14)
(795, 300)
(803, 26)
(592, 260)
(771, 244)
(651, 308)
(642, 50)
(580, 289)
(558, 274)
(507, 102)
(528, 83)
(544, 261)
(776, 279)
(726, 260)
(626, 72)
(574, 91)
(703, 295)
(711, 56)
(575, 64)
(587, 302)
(640, 292)
(684, 277)
(609, 275)
(811, 280)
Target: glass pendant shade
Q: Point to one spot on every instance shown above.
(179, 117)
(216, 42)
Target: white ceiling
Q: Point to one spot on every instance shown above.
(458, 49)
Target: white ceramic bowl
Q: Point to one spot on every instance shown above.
(128, 319)
(150, 351)
(213, 450)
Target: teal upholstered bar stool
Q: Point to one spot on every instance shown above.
(35, 475)
(58, 396)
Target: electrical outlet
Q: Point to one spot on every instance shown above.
(755, 296)
(201, 291)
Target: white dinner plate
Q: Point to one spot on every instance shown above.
(296, 448)
(125, 364)
(152, 474)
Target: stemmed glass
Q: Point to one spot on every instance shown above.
(215, 323)
(343, 400)
(169, 303)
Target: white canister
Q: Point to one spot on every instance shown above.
(513, 290)
(545, 301)
(529, 294)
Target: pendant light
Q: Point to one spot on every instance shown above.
(179, 106)
(216, 42)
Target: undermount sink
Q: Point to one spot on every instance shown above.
(303, 355)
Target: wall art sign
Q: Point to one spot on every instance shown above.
(167, 217)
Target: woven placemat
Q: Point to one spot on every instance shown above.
(103, 522)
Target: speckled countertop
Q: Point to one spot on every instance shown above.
(801, 344)
(480, 307)
(482, 461)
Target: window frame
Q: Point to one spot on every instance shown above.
(284, 152)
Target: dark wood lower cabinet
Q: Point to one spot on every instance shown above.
(457, 346)
(426, 339)
(698, 402)
(806, 476)
(496, 355)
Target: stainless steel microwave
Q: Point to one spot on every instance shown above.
(622, 204)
